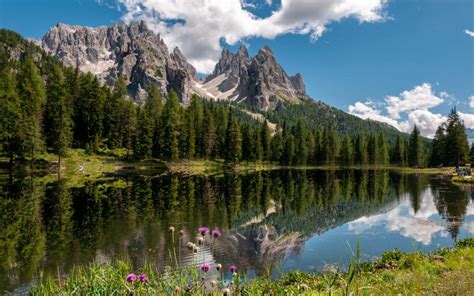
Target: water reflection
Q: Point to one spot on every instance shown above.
(302, 219)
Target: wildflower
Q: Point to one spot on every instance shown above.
(213, 283)
(203, 230)
(131, 277)
(234, 274)
(171, 229)
(216, 233)
(132, 293)
(195, 249)
(205, 267)
(181, 232)
(143, 277)
(190, 245)
(177, 289)
(226, 291)
(219, 267)
(200, 241)
(233, 268)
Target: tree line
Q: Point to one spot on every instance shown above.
(48, 107)
(63, 108)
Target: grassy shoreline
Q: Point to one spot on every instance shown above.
(446, 271)
(79, 164)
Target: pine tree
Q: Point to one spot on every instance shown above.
(233, 142)
(143, 145)
(89, 112)
(58, 121)
(32, 93)
(265, 135)
(170, 122)
(154, 107)
(398, 152)
(373, 151)
(196, 108)
(361, 155)
(209, 133)
(10, 115)
(190, 145)
(457, 148)
(347, 152)
(248, 143)
(300, 143)
(438, 147)
(415, 149)
(277, 147)
(383, 149)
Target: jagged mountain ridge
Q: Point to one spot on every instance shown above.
(142, 58)
(134, 52)
(258, 81)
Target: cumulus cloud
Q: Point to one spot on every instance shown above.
(420, 97)
(414, 105)
(426, 121)
(470, 33)
(198, 27)
(365, 111)
(421, 226)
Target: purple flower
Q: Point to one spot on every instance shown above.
(131, 277)
(203, 230)
(205, 267)
(233, 268)
(143, 277)
(216, 233)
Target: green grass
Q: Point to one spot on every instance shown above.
(444, 272)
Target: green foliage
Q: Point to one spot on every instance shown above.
(415, 149)
(104, 118)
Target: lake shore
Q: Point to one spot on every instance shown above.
(445, 271)
(79, 164)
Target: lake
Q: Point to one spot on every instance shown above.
(275, 221)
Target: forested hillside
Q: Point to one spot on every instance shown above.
(46, 106)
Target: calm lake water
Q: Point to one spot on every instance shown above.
(292, 219)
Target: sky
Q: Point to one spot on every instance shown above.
(403, 62)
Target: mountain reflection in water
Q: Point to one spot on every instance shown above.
(298, 219)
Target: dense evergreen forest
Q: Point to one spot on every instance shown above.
(48, 107)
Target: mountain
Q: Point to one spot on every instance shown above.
(142, 58)
(134, 52)
(257, 81)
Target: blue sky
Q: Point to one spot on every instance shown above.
(370, 51)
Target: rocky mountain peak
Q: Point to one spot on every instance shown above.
(134, 52)
(242, 52)
(259, 81)
(142, 58)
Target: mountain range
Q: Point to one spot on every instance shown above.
(142, 58)
(256, 84)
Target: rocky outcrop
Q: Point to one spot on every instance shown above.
(142, 58)
(134, 52)
(259, 81)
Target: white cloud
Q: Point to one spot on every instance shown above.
(468, 119)
(425, 120)
(421, 226)
(414, 103)
(365, 111)
(470, 33)
(471, 102)
(420, 97)
(197, 27)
